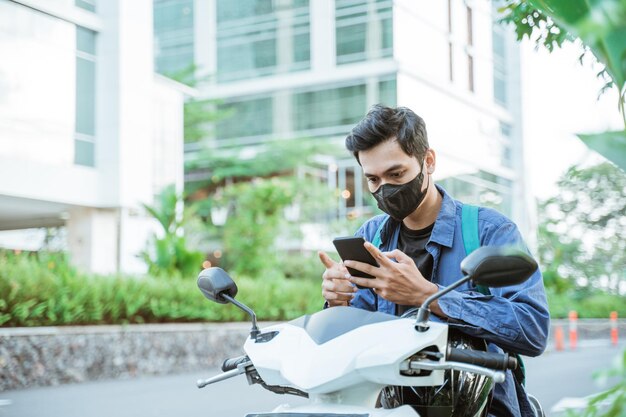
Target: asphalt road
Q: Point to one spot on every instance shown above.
(551, 377)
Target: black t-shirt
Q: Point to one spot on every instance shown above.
(413, 243)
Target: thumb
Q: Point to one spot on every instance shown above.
(328, 263)
(399, 256)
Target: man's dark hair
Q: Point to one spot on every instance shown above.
(386, 123)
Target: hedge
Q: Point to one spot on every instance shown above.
(42, 290)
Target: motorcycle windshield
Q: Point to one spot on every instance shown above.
(333, 322)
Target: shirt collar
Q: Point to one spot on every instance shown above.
(443, 231)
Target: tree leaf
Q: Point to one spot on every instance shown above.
(601, 25)
(611, 145)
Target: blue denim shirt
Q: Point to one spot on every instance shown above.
(514, 318)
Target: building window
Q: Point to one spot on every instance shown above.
(328, 111)
(470, 72)
(501, 145)
(387, 92)
(499, 65)
(506, 139)
(482, 188)
(173, 36)
(336, 107)
(470, 26)
(38, 82)
(450, 45)
(334, 111)
(470, 48)
(85, 126)
(86, 4)
(364, 30)
(260, 38)
(245, 121)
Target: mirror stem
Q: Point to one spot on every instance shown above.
(254, 332)
(421, 323)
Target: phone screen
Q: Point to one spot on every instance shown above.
(351, 249)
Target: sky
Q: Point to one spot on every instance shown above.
(560, 98)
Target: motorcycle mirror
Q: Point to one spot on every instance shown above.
(214, 282)
(498, 266)
(216, 285)
(489, 266)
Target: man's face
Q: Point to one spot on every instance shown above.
(388, 164)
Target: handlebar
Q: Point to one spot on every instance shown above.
(242, 364)
(230, 364)
(491, 360)
(231, 367)
(497, 376)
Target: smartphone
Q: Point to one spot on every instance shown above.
(351, 249)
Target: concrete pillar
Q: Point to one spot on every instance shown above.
(92, 238)
(205, 32)
(322, 35)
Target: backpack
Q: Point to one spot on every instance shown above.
(471, 242)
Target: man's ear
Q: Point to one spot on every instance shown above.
(431, 161)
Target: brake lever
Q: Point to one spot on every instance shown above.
(241, 369)
(497, 376)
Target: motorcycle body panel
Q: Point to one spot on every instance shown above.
(324, 410)
(355, 356)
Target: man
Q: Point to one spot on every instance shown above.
(422, 247)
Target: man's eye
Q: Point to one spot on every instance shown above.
(396, 175)
(372, 180)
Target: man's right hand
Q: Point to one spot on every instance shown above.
(336, 289)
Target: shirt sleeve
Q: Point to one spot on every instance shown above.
(516, 318)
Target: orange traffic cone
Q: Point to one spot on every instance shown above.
(558, 338)
(614, 339)
(573, 329)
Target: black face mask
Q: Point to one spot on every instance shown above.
(400, 200)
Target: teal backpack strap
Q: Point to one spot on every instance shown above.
(377, 241)
(469, 227)
(471, 239)
(471, 242)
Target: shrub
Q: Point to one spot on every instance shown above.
(588, 304)
(43, 290)
(169, 254)
(302, 266)
(250, 232)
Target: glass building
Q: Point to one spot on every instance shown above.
(294, 69)
(88, 131)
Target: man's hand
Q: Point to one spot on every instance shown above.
(336, 289)
(399, 282)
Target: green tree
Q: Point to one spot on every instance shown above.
(210, 168)
(252, 226)
(199, 114)
(557, 255)
(582, 245)
(583, 229)
(600, 25)
(167, 253)
(256, 230)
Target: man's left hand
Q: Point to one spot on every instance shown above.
(399, 282)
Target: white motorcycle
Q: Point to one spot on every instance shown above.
(352, 362)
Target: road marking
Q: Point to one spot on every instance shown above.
(569, 403)
(5, 402)
(572, 403)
